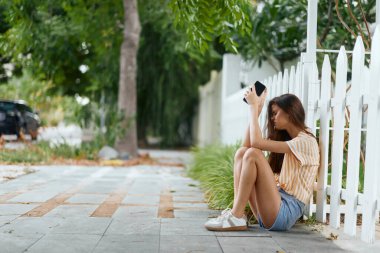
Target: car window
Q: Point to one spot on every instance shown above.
(27, 108)
(4, 106)
(24, 108)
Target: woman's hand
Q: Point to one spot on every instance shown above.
(252, 98)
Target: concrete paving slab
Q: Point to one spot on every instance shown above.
(253, 231)
(13, 209)
(84, 225)
(31, 225)
(144, 189)
(136, 211)
(35, 196)
(184, 226)
(251, 244)
(295, 242)
(87, 198)
(147, 199)
(190, 205)
(97, 189)
(198, 197)
(181, 243)
(128, 243)
(197, 214)
(16, 243)
(64, 243)
(134, 226)
(5, 219)
(67, 211)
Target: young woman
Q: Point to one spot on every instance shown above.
(277, 203)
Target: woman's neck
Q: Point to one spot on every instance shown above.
(293, 131)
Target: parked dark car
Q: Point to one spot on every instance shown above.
(18, 118)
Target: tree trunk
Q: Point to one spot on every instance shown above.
(127, 98)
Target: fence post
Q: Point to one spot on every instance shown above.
(311, 107)
(312, 98)
(338, 138)
(353, 160)
(372, 145)
(324, 133)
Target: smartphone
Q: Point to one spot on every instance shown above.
(259, 87)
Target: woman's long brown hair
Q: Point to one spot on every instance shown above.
(292, 106)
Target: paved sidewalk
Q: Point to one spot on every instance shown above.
(135, 209)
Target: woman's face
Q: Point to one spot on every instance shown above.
(279, 118)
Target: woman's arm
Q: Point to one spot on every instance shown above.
(255, 135)
(256, 139)
(247, 141)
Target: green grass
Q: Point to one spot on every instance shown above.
(213, 167)
(44, 153)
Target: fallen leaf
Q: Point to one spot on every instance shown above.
(332, 237)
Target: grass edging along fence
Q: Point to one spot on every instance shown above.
(212, 166)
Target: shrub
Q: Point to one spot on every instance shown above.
(213, 167)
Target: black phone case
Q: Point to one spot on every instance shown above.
(259, 87)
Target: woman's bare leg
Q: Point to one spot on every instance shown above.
(238, 160)
(257, 173)
(253, 203)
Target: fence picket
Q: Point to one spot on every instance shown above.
(285, 82)
(279, 84)
(297, 89)
(274, 85)
(372, 145)
(338, 137)
(292, 80)
(324, 134)
(353, 159)
(270, 87)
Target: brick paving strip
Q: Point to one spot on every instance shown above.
(112, 202)
(59, 199)
(166, 209)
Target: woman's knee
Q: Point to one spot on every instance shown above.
(240, 153)
(251, 155)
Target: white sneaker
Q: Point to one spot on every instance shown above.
(227, 222)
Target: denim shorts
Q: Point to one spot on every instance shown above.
(291, 209)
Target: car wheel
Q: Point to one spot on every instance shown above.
(33, 134)
(21, 134)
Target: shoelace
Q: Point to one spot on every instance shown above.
(224, 213)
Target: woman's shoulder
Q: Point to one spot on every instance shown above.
(305, 140)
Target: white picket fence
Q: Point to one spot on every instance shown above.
(362, 101)
(327, 106)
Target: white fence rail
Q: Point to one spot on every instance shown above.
(335, 116)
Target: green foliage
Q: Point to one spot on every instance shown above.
(206, 20)
(52, 39)
(168, 77)
(43, 152)
(38, 94)
(279, 28)
(213, 167)
(279, 31)
(30, 155)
